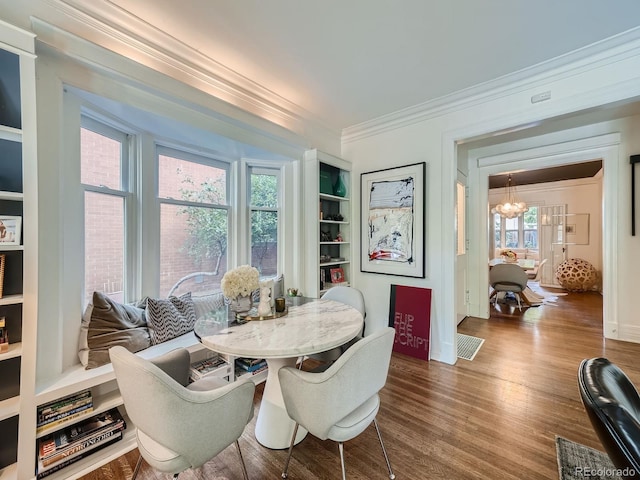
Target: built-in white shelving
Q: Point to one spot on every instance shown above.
(321, 173)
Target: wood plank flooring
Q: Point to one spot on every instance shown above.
(495, 417)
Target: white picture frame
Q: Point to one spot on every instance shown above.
(10, 230)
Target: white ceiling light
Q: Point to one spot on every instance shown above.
(510, 206)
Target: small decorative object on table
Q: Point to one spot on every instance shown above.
(238, 285)
(280, 304)
(264, 307)
(509, 256)
(292, 292)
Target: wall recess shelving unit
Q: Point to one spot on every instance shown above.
(328, 219)
(18, 198)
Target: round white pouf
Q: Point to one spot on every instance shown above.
(576, 275)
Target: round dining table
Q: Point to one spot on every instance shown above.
(311, 327)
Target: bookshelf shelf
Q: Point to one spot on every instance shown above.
(339, 262)
(10, 472)
(11, 248)
(9, 407)
(15, 350)
(12, 300)
(10, 133)
(12, 196)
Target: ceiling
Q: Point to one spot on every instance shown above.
(544, 175)
(346, 62)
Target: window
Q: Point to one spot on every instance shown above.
(264, 214)
(104, 167)
(518, 232)
(194, 221)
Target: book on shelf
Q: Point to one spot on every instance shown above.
(204, 367)
(60, 404)
(54, 424)
(251, 364)
(4, 335)
(85, 405)
(48, 470)
(67, 439)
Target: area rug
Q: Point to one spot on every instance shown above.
(468, 346)
(577, 462)
(536, 299)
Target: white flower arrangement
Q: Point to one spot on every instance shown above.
(241, 281)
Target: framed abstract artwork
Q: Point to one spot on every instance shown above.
(393, 221)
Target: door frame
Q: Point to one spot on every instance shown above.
(605, 147)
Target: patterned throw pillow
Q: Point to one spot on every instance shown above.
(170, 318)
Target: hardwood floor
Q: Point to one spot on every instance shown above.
(495, 417)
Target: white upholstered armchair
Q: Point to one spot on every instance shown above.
(341, 402)
(180, 426)
(350, 296)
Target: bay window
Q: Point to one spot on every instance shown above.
(517, 232)
(104, 174)
(194, 221)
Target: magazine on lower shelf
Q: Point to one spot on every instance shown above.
(251, 364)
(204, 367)
(53, 413)
(72, 440)
(45, 471)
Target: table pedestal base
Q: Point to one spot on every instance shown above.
(273, 426)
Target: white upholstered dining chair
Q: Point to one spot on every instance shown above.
(535, 274)
(508, 277)
(341, 402)
(350, 296)
(180, 426)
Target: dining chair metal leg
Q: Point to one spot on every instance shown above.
(341, 448)
(384, 451)
(136, 468)
(286, 463)
(518, 299)
(244, 468)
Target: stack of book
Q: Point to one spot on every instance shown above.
(68, 445)
(205, 367)
(251, 365)
(52, 414)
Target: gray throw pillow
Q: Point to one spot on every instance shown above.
(107, 323)
(170, 318)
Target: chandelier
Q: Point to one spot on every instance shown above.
(510, 207)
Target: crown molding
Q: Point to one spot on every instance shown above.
(115, 29)
(605, 52)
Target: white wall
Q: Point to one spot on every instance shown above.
(433, 136)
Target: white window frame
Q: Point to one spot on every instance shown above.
(127, 192)
(203, 159)
(503, 231)
(260, 168)
(244, 205)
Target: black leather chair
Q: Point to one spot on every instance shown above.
(613, 406)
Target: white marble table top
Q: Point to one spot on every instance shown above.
(309, 328)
